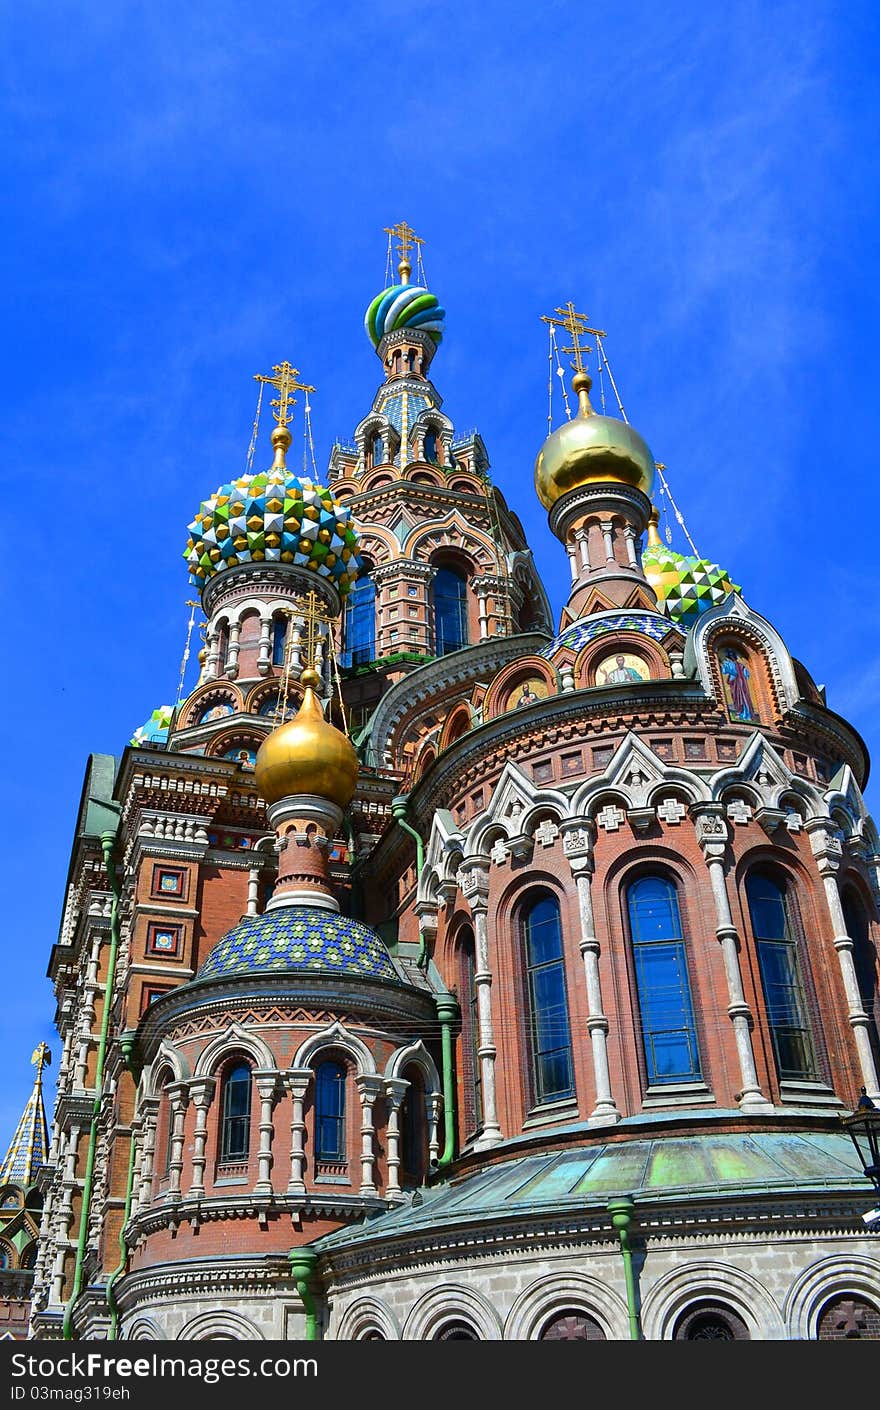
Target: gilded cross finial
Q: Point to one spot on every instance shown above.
(577, 326)
(285, 380)
(315, 614)
(41, 1057)
(406, 237)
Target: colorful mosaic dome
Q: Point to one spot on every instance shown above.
(650, 624)
(155, 729)
(299, 938)
(404, 306)
(685, 586)
(274, 517)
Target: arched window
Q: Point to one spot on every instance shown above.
(279, 640)
(664, 991)
(709, 1322)
(360, 623)
(552, 1069)
(330, 1112)
(235, 1125)
(456, 1331)
(169, 1127)
(377, 451)
(781, 978)
(848, 1319)
(449, 594)
(865, 962)
(572, 1326)
(29, 1257)
(222, 648)
(470, 1020)
(429, 447)
(414, 1121)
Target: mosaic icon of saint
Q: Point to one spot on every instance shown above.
(621, 673)
(736, 677)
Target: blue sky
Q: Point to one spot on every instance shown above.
(194, 192)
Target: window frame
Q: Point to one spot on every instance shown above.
(226, 1155)
(800, 988)
(540, 1095)
(638, 948)
(442, 646)
(339, 1156)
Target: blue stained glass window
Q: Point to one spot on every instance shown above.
(548, 1005)
(330, 1112)
(235, 1127)
(450, 611)
(430, 447)
(664, 992)
(471, 1032)
(377, 451)
(360, 623)
(279, 640)
(781, 979)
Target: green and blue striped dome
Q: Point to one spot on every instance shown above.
(404, 306)
(299, 939)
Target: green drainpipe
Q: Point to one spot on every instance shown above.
(447, 1013)
(398, 809)
(303, 1262)
(621, 1211)
(127, 1045)
(107, 841)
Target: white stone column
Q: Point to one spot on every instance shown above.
(435, 1101)
(253, 892)
(629, 538)
(297, 1080)
(608, 536)
(149, 1111)
(577, 843)
(201, 1091)
(178, 1098)
(264, 659)
(395, 1091)
(267, 1086)
(234, 648)
(369, 1087)
(712, 837)
(474, 882)
(828, 851)
(571, 550)
(212, 665)
(582, 539)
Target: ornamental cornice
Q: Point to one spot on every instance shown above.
(208, 1209)
(269, 1272)
(596, 499)
(261, 577)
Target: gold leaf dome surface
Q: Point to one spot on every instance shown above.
(591, 449)
(307, 755)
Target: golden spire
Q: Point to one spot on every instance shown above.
(577, 326)
(654, 540)
(285, 380)
(406, 237)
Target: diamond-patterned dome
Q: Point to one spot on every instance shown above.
(299, 939)
(274, 517)
(685, 586)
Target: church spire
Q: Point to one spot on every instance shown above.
(30, 1144)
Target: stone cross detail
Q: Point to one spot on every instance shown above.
(793, 820)
(498, 852)
(610, 818)
(738, 811)
(671, 811)
(546, 832)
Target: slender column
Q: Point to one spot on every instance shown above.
(577, 843)
(253, 890)
(234, 648)
(201, 1090)
(483, 613)
(369, 1087)
(264, 659)
(178, 1098)
(571, 550)
(474, 881)
(435, 1101)
(213, 661)
(395, 1091)
(712, 837)
(629, 538)
(582, 538)
(608, 536)
(267, 1086)
(149, 1111)
(297, 1079)
(828, 851)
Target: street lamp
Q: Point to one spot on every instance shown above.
(863, 1129)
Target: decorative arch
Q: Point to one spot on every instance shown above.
(211, 696)
(365, 1315)
(223, 1324)
(457, 722)
(335, 1036)
(503, 694)
(683, 1288)
(235, 1039)
(142, 1328)
(450, 1303)
(416, 1055)
(451, 533)
(558, 1291)
(836, 1276)
(167, 1057)
(514, 800)
(590, 662)
(637, 776)
(735, 619)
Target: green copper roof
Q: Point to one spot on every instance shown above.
(724, 1165)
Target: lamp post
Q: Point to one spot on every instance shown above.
(863, 1128)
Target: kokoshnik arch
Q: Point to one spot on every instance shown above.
(434, 970)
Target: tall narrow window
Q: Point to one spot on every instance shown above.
(865, 962)
(429, 447)
(360, 623)
(470, 1033)
(330, 1112)
(552, 1068)
(664, 993)
(279, 640)
(450, 611)
(235, 1127)
(377, 451)
(781, 978)
(414, 1121)
(222, 648)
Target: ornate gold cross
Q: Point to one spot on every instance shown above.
(285, 380)
(577, 326)
(41, 1058)
(406, 237)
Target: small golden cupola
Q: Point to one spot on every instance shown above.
(307, 755)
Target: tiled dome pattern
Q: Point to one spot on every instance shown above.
(404, 306)
(299, 939)
(155, 729)
(685, 586)
(579, 633)
(274, 517)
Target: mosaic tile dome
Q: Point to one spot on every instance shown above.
(155, 729)
(576, 635)
(404, 306)
(686, 586)
(274, 517)
(299, 939)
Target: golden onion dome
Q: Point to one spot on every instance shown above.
(307, 755)
(589, 450)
